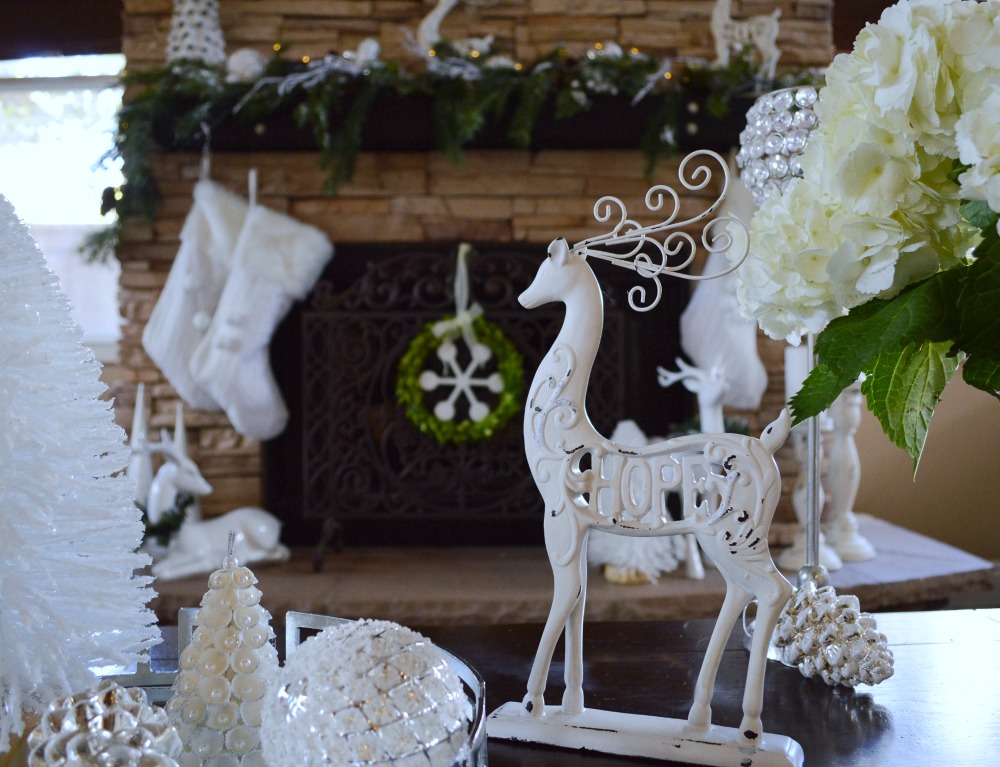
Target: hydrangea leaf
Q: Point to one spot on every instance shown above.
(903, 387)
(980, 298)
(983, 372)
(980, 320)
(849, 345)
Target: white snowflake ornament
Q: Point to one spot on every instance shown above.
(224, 674)
(462, 381)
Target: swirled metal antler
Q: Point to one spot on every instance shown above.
(633, 241)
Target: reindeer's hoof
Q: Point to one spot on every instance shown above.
(534, 704)
(751, 730)
(572, 702)
(700, 717)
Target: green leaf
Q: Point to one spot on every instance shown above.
(903, 387)
(983, 372)
(979, 214)
(820, 389)
(849, 345)
(979, 302)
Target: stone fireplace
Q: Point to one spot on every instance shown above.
(508, 203)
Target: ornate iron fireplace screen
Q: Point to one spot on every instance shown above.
(351, 467)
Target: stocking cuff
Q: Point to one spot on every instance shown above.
(285, 251)
(222, 214)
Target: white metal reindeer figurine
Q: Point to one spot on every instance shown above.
(729, 485)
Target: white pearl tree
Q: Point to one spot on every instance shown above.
(224, 673)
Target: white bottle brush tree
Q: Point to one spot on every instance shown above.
(224, 673)
(69, 531)
(195, 33)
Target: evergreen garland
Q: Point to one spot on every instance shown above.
(171, 106)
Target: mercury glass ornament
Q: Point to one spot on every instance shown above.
(828, 636)
(367, 693)
(107, 725)
(778, 127)
(224, 674)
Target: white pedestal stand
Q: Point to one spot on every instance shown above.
(649, 737)
(843, 477)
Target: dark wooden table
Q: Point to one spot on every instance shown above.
(942, 706)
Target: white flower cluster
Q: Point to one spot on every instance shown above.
(875, 210)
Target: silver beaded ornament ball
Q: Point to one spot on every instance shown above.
(779, 125)
(367, 693)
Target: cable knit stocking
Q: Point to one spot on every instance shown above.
(277, 260)
(186, 305)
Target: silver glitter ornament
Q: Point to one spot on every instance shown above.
(828, 636)
(778, 127)
(367, 693)
(107, 725)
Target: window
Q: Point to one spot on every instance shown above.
(57, 119)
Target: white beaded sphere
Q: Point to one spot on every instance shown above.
(366, 693)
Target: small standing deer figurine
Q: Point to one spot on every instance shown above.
(729, 485)
(178, 474)
(759, 31)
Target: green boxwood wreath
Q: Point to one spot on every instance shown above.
(411, 396)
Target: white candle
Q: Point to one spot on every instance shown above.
(796, 369)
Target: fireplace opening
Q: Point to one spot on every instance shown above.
(351, 469)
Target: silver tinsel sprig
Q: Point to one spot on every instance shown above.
(828, 636)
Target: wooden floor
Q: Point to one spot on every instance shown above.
(456, 586)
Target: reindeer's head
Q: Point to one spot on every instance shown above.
(187, 476)
(555, 277)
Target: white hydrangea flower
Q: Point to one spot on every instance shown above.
(977, 135)
(875, 210)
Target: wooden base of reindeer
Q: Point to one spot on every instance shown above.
(649, 737)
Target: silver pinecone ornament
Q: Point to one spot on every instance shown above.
(224, 673)
(107, 725)
(196, 33)
(828, 636)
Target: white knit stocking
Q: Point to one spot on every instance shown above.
(277, 260)
(186, 305)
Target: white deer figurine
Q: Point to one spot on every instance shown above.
(198, 546)
(759, 31)
(709, 386)
(429, 31)
(729, 485)
(178, 473)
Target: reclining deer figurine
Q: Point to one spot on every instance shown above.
(729, 485)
